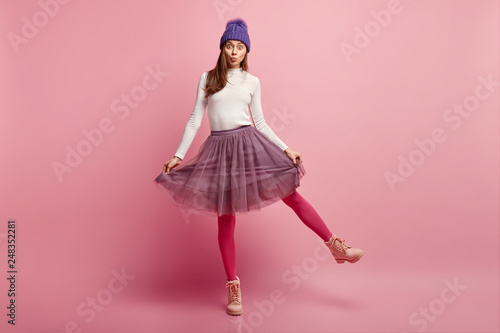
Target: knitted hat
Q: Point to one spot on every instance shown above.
(236, 29)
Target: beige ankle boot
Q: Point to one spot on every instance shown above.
(234, 307)
(342, 252)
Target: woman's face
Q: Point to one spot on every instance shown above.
(235, 53)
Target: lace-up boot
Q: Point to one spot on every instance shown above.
(341, 252)
(234, 307)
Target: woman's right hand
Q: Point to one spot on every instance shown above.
(174, 162)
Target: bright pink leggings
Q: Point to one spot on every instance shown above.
(300, 206)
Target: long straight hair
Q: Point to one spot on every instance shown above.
(217, 77)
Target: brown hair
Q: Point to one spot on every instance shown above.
(217, 77)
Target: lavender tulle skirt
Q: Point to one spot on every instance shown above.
(236, 170)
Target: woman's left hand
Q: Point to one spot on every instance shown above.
(293, 155)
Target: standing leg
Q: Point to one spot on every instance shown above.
(226, 244)
(228, 252)
(308, 215)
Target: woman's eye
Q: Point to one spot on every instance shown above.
(240, 47)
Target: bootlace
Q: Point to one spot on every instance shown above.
(233, 290)
(338, 243)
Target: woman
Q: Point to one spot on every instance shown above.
(239, 168)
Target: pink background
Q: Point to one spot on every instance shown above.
(353, 117)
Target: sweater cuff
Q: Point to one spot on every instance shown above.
(179, 155)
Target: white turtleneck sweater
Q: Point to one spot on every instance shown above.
(228, 109)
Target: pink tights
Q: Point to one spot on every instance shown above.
(300, 206)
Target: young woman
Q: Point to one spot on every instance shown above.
(239, 167)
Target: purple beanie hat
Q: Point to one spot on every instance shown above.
(236, 29)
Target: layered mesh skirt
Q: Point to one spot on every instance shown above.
(236, 170)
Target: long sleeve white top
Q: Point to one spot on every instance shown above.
(228, 109)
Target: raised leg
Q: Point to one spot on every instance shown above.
(340, 251)
(307, 214)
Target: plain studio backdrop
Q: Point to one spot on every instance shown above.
(394, 106)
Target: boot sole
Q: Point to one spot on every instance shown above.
(341, 261)
(234, 313)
